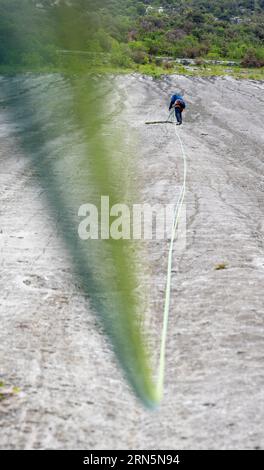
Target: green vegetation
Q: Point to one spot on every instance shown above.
(131, 34)
(221, 266)
(7, 391)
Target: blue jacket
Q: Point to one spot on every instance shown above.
(175, 98)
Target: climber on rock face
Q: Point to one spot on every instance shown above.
(178, 103)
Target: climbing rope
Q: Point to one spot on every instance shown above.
(174, 233)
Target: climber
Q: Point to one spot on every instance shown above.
(178, 103)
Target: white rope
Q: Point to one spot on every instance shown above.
(174, 233)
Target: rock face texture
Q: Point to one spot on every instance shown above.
(72, 394)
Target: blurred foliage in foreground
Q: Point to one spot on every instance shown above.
(63, 128)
